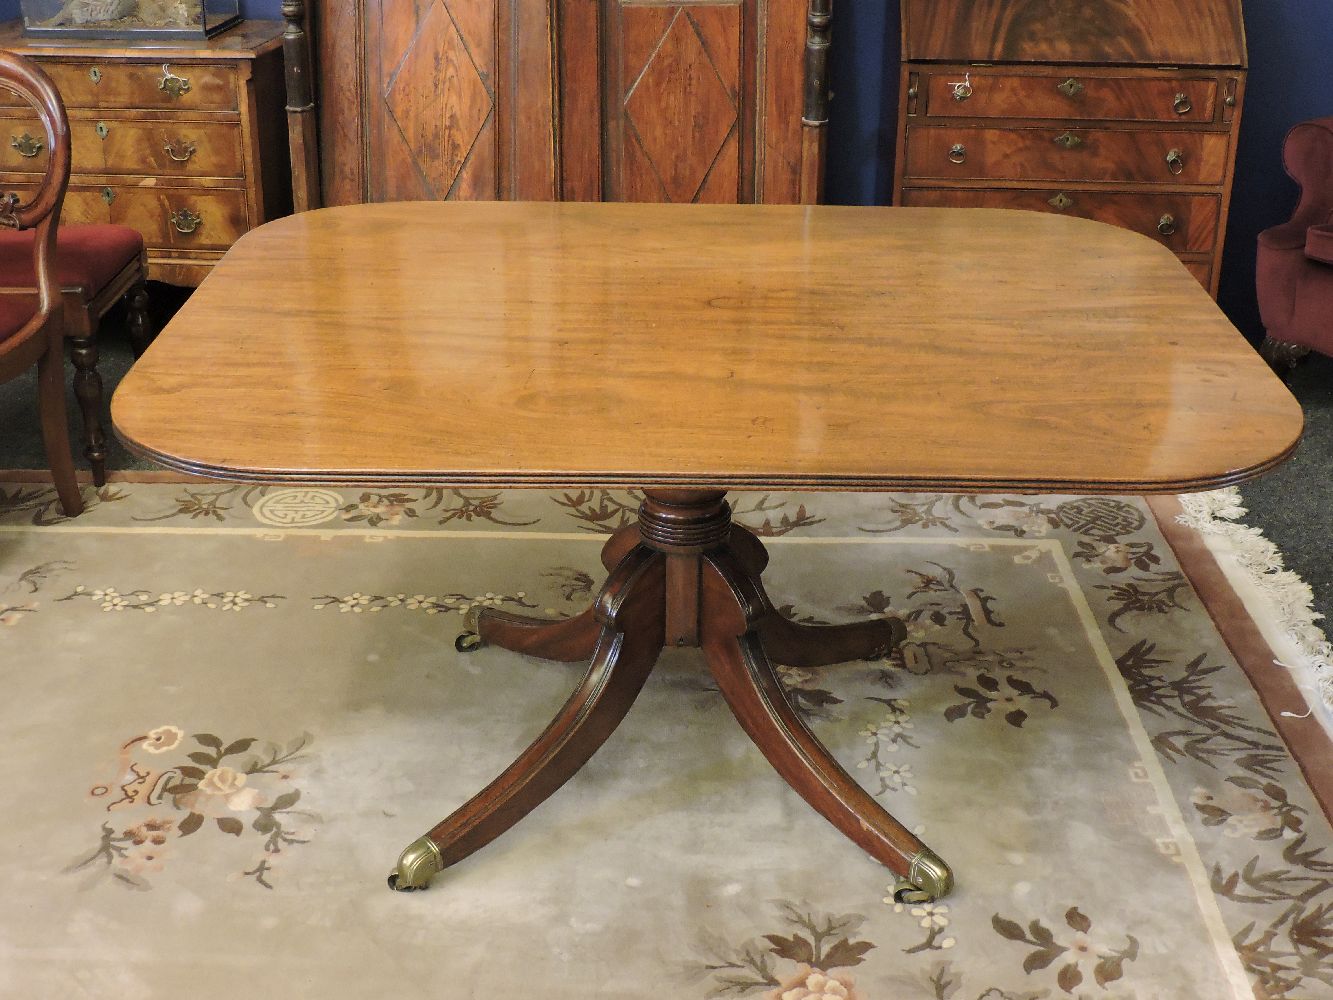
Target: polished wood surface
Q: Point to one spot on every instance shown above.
(728, 346)
(165, 133)
(1179, 33)
(988, 87)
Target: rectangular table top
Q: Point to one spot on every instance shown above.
(739, 347)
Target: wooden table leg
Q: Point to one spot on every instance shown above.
(735, 610)
(684, 576)
(630, 612)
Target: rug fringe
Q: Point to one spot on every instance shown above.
(1290, 598)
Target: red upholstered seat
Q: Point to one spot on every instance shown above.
(87, 256)
(15, 310)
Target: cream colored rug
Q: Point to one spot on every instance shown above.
(227, 709)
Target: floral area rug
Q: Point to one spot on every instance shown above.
(227, 709)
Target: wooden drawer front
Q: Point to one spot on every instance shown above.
(222, 216)
(139, 85)
(173, 149)
(166, 148)
(1184, 222)
(222, 213)
(982, 94)
(1202, 271)
(1042, 154)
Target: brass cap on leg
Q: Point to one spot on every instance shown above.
(928, 879)
(416, 866)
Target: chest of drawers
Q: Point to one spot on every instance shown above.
(187, 144)
(1126, 114)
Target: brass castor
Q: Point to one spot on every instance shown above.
(416, 866)
(468, 642)
(928, 879)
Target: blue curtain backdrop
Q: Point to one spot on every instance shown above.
(1289, 41)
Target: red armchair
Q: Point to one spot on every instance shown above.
(1295, 263)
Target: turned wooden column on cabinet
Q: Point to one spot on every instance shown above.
(1122, 112)
(184, 141)
(587, 100)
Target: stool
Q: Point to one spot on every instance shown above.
(96, 266)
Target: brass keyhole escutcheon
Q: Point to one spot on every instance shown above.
(1166, 225)
(101, 130)
(95, 75)
(1070, 88)
(171, 84)
(108, 195)
(27, 145)
(1175, 161)
(1182, 104)
(185, 221)
(1068, 141)
(1061, 201)
(180, 150)
(957, 153)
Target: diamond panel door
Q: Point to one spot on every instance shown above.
(633, 100)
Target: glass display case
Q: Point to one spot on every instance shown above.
(129, 19)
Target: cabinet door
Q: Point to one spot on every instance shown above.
(634, 100)
(436, 99)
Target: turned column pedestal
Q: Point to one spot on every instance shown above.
(684, 575)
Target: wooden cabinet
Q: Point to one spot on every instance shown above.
(1124, 113)
(633, 100)
(186, 143)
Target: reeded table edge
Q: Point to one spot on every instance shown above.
(728, 481)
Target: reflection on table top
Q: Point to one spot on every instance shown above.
(728, 346)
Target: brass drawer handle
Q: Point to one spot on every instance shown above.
(962, 90)
(1061, 201)
(1068, 141)
(185, 221)
(180, 150)
(958, 153)
(1166, 225)
(1175, 162)
(1070, 88)
(171, 84)
(27, 145)
(1182, 104)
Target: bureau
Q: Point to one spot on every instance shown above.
(1125, 113)
(186, 143)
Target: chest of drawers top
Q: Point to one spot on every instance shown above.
(1123, 111)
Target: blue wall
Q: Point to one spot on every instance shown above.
(1290, 46)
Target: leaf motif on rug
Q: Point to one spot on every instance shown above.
(164, 792)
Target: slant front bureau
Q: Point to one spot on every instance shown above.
(689, 350)
(1122, 112)
(185, 142)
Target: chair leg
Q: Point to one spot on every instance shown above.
(140, 323)
(88, 391)
(55, 430)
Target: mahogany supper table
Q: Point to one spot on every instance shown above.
(687, 351)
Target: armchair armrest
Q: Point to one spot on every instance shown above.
(1319, 244)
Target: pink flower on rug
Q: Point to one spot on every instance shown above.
(812, 984)
(163, 738)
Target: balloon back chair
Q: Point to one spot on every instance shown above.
(31, 326)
